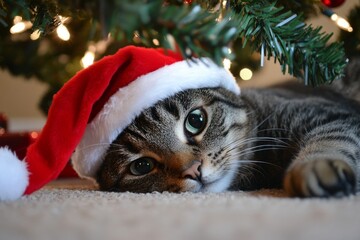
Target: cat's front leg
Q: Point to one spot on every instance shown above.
(320, 178)
(327, 163)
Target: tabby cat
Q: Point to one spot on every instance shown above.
(210, 140)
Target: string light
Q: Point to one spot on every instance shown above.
(62, 31)
(18, 28)
(227, 63)
(340, 21)
(156, 42)
(17, 19)
(89, 57)
(35, 35)
(246, 74)
(93, 49)
(20, 25)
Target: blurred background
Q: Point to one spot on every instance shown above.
(20, 96)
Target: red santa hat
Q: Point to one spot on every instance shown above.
(97, 104)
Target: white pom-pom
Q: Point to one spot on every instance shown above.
(14, 176)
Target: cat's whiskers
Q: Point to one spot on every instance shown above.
(247, 175)
(230, 163)
(242, 141)
(236, 157)
(273, 129)
(259, 148)
(233, 149)
(255, 128)
(246, 170)
(233, 157)
(259, 162)
(236, 145)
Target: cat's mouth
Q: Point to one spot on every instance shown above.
(199, 185)
(217, 183)
(213, 185)
(206, 187)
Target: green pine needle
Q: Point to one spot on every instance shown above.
(199, 30)
(300, 49)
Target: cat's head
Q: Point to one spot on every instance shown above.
(189, 142)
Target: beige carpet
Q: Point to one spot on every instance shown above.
(73, 209)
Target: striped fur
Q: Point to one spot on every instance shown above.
(306, 141)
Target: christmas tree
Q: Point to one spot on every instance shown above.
(36, 35)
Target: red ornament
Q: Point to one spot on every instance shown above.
(332, 3)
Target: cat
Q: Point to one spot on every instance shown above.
(304, 140)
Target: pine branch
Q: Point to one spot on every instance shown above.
(195, 30)
(41, 13)
(300, 49)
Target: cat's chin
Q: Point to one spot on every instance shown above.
(220, 185)
(217, 185)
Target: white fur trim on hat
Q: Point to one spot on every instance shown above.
(14, 176)
(128, 102)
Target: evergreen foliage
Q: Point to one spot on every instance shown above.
(199, 28)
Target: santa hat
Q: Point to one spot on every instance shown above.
(97, 104)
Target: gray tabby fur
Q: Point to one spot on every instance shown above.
(304, 140)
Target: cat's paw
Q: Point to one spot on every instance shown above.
(320, 178)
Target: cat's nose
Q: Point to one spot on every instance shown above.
(193, 172)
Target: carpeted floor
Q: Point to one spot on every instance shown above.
(73, 209)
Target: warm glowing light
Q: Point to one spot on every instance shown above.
(95, 48)
(62, 32)
(62, 19)
(156, 42)
(2, 131)
(35, 35)
(227, 63)
(334, 17)
(20, 25)
(88, 59)
(246, 74)
(341, 22)
(34, 135)
(18, 28)
(17, 19)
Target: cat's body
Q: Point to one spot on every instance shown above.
(213, 140)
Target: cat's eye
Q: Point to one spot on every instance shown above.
(142, 166)
(195, 121)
